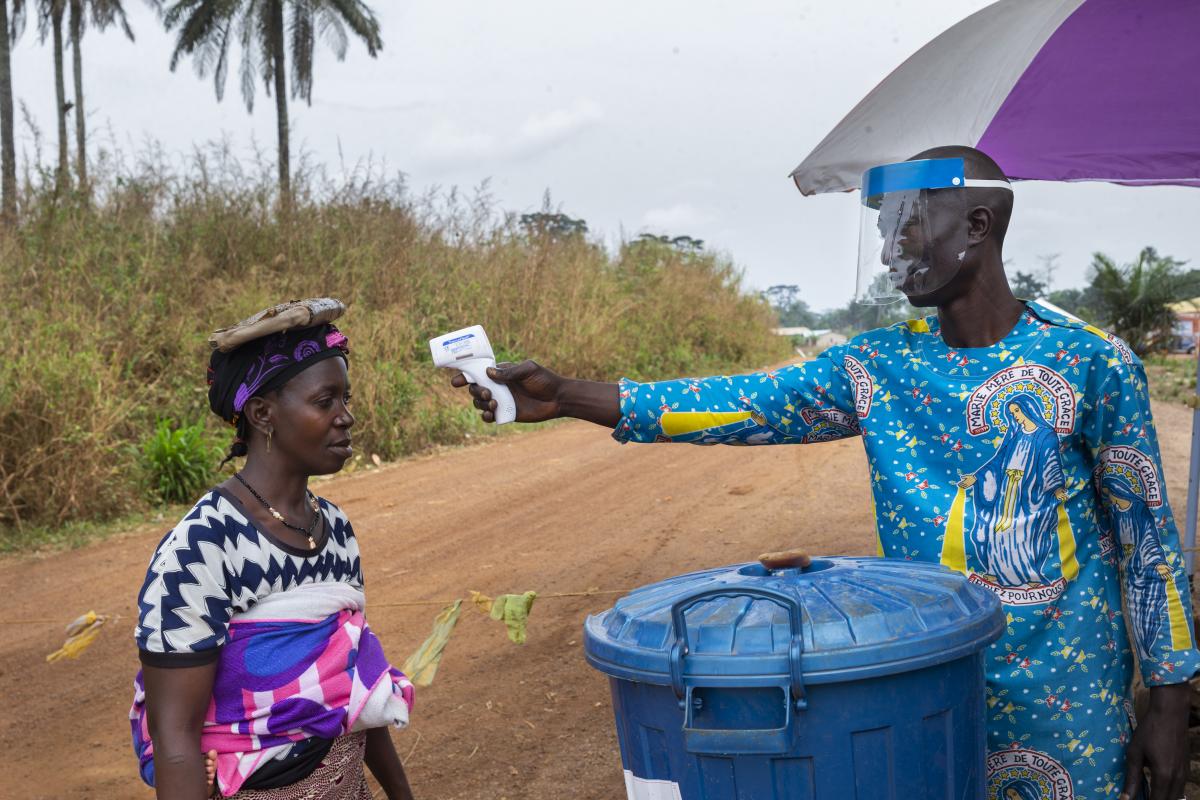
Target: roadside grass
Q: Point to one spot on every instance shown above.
(40, 538)
(109, 301)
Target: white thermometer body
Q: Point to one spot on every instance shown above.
(470, 351)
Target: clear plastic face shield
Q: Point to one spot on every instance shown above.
(911, 243)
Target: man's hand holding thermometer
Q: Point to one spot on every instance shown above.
(470, 352)
(526, 392)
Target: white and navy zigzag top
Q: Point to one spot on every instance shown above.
(215, 563)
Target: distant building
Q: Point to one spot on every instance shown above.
(1187, 318)
(818, 339)
(801, 331)
(829, 339)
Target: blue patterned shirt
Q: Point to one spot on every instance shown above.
(1031, 466)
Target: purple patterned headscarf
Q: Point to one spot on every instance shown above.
(261, 365)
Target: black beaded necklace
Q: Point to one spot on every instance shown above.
(312, 501)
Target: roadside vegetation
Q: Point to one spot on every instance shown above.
(109, 298)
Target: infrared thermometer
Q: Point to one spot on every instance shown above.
(470, 351)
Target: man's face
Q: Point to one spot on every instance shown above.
(902, 228)
(924, 242)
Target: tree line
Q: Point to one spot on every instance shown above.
(277, 39)
(1132, 300)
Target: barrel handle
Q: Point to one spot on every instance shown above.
(795, 646)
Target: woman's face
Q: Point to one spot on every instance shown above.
(1018, 415)
(313, 420)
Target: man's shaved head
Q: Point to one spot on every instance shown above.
(977, 164)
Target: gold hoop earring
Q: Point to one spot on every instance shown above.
(269, 432)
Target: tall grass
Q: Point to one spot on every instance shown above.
(108, 303)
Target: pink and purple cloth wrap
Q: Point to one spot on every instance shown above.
(299, 664)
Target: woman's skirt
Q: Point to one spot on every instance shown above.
(340, 776)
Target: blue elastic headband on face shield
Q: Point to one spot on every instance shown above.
(930, 173)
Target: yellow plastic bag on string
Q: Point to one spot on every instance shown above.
(80, 634)
(513, 610)
(422, 665)
(481, 601)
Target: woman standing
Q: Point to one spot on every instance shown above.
(251, 629)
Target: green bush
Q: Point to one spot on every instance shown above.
(179, 463)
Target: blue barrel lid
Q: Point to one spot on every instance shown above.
(857, 618)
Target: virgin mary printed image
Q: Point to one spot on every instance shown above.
(1016, 495)
(1022, 790)
(1146, 566)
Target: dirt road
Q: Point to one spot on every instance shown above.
(560, 510)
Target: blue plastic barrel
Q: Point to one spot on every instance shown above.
(848, 678)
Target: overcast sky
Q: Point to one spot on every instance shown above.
(670, 116)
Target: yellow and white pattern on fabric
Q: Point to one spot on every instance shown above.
(1181, 631)
(954, 547)
(681, 423)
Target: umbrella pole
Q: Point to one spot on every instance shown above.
(1193, 478)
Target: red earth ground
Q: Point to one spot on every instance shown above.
(559, 510)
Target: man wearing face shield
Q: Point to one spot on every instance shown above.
(995, 420)
(915, 234)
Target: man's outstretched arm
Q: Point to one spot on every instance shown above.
(813, 401)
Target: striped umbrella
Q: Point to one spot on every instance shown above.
(1053, 90)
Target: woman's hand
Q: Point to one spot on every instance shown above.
(967, 481)
(176, 701)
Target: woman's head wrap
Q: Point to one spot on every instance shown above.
(267, 363)
(265, 351)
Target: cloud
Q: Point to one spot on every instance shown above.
(447, 142)
(406, 107)
(677, 219)
(559, 125)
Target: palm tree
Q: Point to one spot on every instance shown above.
(1134, 298)
(10, 27)
(50, 23)
(102, 13)
(206, 28)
